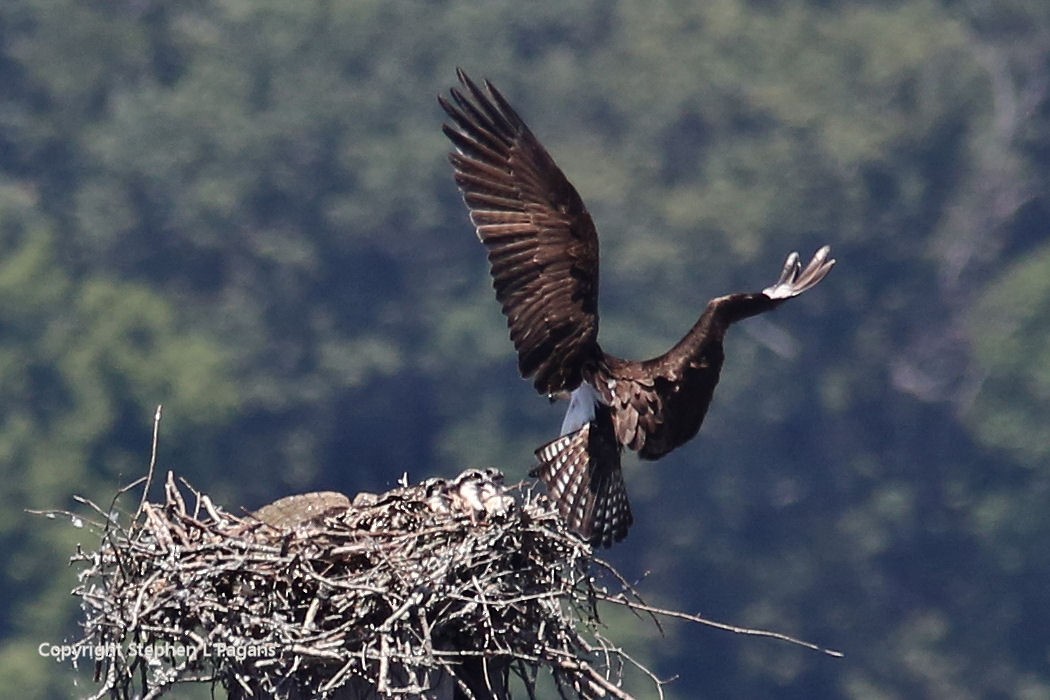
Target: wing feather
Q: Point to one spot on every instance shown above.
(541, 242)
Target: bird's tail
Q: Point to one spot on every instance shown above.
(583, 477)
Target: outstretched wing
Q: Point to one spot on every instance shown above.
(542, 245)
(583, 477)
(661, 403)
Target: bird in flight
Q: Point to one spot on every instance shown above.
(543, 252)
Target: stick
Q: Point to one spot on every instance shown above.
(152, 460)
(721, 625)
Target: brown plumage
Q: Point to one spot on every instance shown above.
(543, 252)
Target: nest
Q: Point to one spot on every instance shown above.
(444, 589)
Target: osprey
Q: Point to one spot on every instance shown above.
(543, 252)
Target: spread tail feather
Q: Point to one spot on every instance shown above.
(583, 477)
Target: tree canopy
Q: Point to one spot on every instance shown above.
(242, 211)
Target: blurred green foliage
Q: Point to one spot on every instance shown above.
(241, 210)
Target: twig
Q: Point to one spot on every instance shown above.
(152, 459)
(619, 600)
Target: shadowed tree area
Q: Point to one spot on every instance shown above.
(243, 211)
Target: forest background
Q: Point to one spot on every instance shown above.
(242, 210)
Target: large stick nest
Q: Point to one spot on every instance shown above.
(436, 590)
